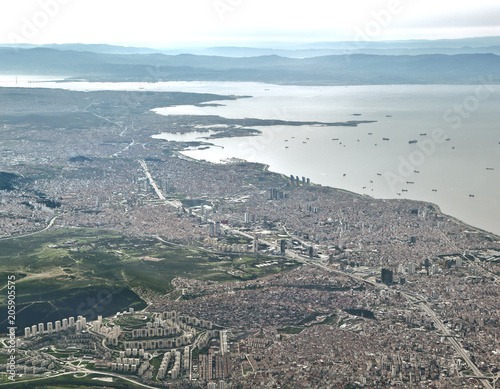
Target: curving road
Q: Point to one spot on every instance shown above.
(82, 371)
(51, 223)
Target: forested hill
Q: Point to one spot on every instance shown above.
(354, 69)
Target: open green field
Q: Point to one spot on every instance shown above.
(92, 272)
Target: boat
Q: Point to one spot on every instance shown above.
(490, 168)
(434, 190)
(379, 174)
(388, 116)
(471, 195)
(385, 138)
(409, 182)
(404, 190)
(335, 138)
(370, 133)
(424, 134)
(447, 139)
(413, 141)
(416, 171)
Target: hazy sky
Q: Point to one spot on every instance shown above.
(164, 23)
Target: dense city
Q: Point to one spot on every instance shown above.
(346, 291)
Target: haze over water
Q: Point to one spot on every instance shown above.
(360, 160)
(448, 171)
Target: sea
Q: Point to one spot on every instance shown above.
(435, 143)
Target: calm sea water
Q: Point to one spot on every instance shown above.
(455, 162)
(457, 129)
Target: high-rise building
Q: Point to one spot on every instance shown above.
(223, 342)
(387, 276)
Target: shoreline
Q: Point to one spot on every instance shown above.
(217, 97)
(266, 168)
(270, 122)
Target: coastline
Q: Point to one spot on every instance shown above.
(266, 168)
(475, 214)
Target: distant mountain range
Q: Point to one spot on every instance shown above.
(486, 45)
(116, 63)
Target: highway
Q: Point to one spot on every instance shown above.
(449, 336)
(160, 195)
(423, 306)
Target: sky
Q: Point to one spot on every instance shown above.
(177, 23)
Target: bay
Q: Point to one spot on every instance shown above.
(455, 162)
(457, 170)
